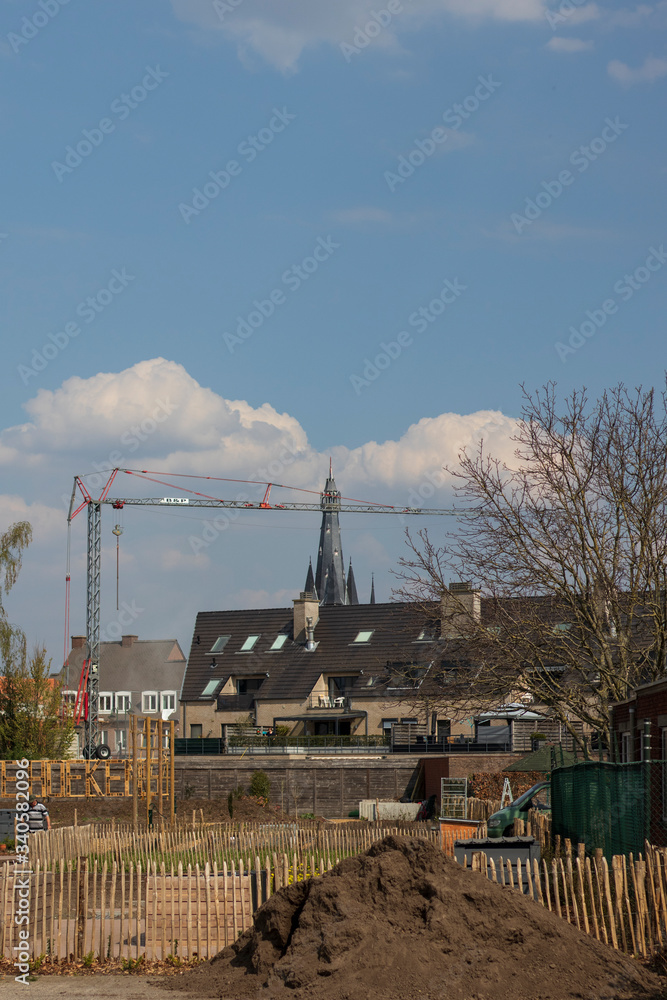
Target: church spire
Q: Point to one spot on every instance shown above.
(310, 580)
(352, 597)
(372, 600)
(330, 573)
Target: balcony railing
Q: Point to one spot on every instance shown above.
(339, 702)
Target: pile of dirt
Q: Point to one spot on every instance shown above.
(404, 921)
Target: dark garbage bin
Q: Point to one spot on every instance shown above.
(512, 849)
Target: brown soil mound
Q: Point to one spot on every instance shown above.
(404, 921)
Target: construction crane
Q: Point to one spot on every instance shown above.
(87, 699)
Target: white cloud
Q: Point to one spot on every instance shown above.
(280, 30)
(91, 423)
(155, 412)
(558, 44)
(47, 522)
(651, 69)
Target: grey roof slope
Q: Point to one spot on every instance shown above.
(146, 665)
(291, 672)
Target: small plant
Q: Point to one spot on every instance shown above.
(36, 964)
(537, 736)
(188, 791)
(88, 960)
(260, 786)
(132, 964)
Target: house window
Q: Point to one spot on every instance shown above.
(247, 685)
(278, 642)
(121, 740)
(106, 702)
(408, 721)
(195, 731)
(339, 687)
(626, 748)
(168, 701)
(386, 726)
(220, 643)
(363, 636)
(123, 702)
(69, 697)
(210, 689)
(249, 643)
(149, 701)
(104, 736)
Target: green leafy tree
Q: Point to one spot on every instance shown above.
(32, 722)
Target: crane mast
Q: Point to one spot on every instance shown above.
(90, 674)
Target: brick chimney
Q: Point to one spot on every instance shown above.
(459, 605)
(79, 641)
(128, 640)
(306, 606)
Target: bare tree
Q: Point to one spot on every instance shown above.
(567, 550)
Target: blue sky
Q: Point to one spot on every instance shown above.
(271, 294)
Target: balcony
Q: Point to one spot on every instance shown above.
(235, 702)
(323, 701)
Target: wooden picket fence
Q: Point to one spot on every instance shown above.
(625, 905)
(183, 893)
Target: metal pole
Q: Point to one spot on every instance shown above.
(646, 758)
(91, 722)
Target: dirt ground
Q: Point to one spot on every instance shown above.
(61, 811)
(84, 987)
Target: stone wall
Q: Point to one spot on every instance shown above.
(327, 786)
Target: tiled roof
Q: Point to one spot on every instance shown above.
(291, 672)
(146, 665)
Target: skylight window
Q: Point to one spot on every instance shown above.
(562, 627)
(220, 643)
(279, 641)
(426, 635)
(210, 689)
(249, 643)
(363, 636)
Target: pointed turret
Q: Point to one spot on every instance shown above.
(310, 580)
(352, 597)
(372, 600)
(330, 573)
